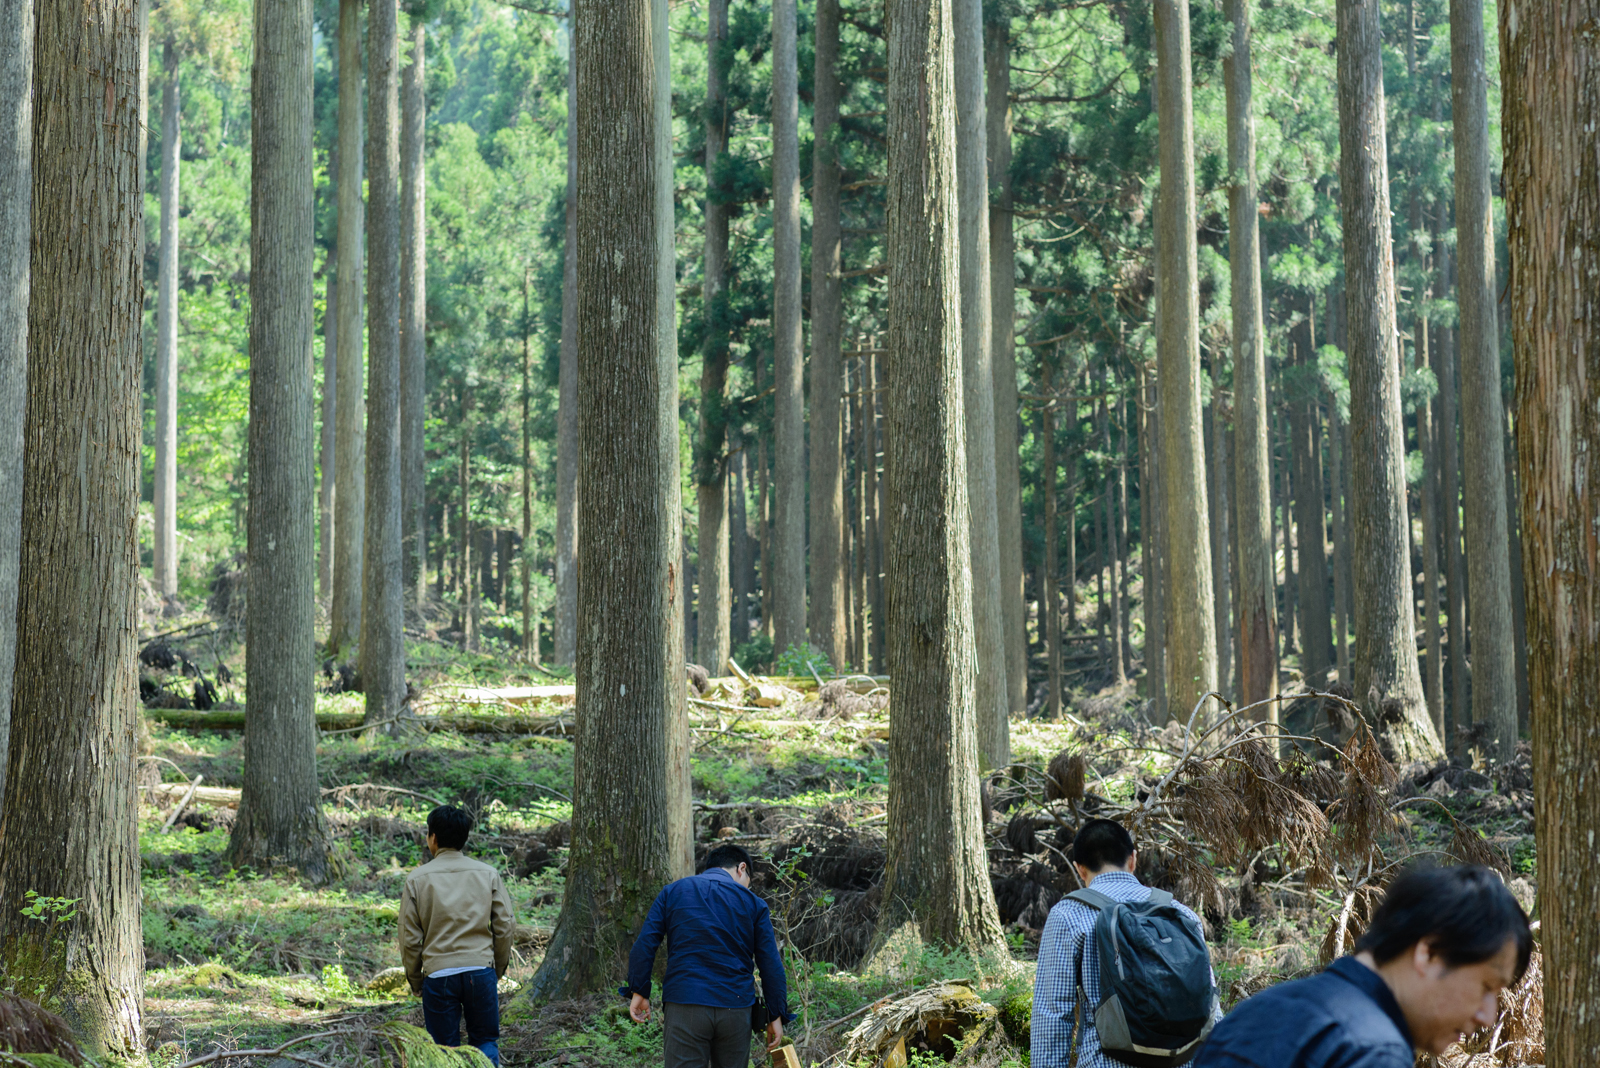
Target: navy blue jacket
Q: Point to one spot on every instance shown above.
(716, 931)
(1345, 1017)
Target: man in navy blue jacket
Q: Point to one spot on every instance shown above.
(717, 930)
(1431, 966)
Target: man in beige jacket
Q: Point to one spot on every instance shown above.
(456, 926)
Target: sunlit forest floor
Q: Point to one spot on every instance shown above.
(246, 960)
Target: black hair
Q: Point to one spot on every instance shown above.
(1465, 914)
(1102, 842)
(728, 856)
(450, 825)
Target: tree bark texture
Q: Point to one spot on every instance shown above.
(1003, 309)
(1217, 493)
(350, 448)
(1494, 669)
(1457, 701)
(165, 555)
(16, 221)
(327, 450)
(937, 875)
(280, 815)
(1551, 79)
(530, 628)
(383, 644)
(566, 547)
(413, 316)
(828, 562)
(1191, 628)
(711, 462)
(977, 391)
(1152, 541)
(874, 502)
(788, 572)
(742, 564)
(1341, 543)
(1305, 426)
(1432, 641)
(74, 707)
(630, 788)
(1050, 584)
(1387, 683)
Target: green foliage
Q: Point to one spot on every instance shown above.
(754, 655)
(799, 661)
(406, 1045)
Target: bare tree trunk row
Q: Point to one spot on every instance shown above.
(165, 555)
(566, 547)
(414, 317)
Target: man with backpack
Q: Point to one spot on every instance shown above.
(1124, 975)
(717, 932)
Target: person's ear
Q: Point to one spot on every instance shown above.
(1133, 861)
(1428, 964)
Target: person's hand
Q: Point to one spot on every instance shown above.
(774, 1034)
(639, 1008)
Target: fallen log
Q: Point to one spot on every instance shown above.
(510, 695)
(225, 796)
(460, 722)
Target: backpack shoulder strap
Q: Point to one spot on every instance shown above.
(1159, 897)
(1092, 898)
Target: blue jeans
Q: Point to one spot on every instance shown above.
(473, 994)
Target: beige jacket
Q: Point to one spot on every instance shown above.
(454, 913)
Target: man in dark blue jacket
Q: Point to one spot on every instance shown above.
(717, 931)
(1431, 966)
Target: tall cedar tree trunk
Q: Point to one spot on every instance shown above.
(1217, 490)
(530, 629)
(859, 652)
(326, 489)
(1387, 683)
(742, 562)
(1519, 609)
(1494, 669)
(1305, 423)
(350, 448)
(936, 881)
(383, 646)
(467, 580)
(1552, 181)
(1191, 628)
(1049, 595)
(875, 532)
(16, 205)
(829, 562)
(1291, 630)
(977, 388)
(1152, 539)
(70, 813)
(566, 547)
(1108, 508)
(630, 815)
(711, 459)
(788, 571)
(1003, 311)
(764, 516)
(165, 556)
(1126, 652)
(1457, 703)
(280, 809)
(1341, 543)
(1428, 439)
(413, 317)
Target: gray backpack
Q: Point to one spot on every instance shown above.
(1155, 972)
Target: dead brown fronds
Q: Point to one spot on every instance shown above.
(1517, 1037)
(1470, 847)
(1064, 778)
(1362, 811)
(28, 1028)
(1212, 807)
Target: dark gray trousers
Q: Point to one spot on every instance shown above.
(698, 1036)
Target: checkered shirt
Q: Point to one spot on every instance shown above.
(1067, 935)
